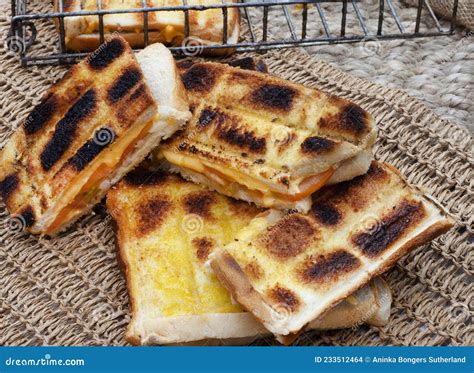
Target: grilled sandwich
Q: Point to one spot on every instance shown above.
(93, 126)
(166, 228)
(265, 140)
(304, 264)
(167, 27)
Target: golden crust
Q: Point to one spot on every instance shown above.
(360, 229)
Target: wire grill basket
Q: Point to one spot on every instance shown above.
(300, 18)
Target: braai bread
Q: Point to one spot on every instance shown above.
(265, 140)
(166, 228)
(94, 125)
(167, 27)
(305, 264)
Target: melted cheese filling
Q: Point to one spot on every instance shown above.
(256, 188)
(171, 32)
(82, 194)
(168, 276)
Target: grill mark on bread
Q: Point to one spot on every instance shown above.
(151, 214)
(317, 145)
(106, 54)
(391, 227)
(289, 237)
(199, 77)
(124, 84)
(274, 96)
(65, 130)
(40, 115)
(91, 149)
(326, 214)
(131, 107)
(356, 188)
(253, 270)
(8, 186)
(204, 246)
(230, 130)
(27, 215)
(249, 63)
(284, 298)
(142, 176)
(140, 91)
(352, 120)
(322, 268)
(199, 203)
(376, 171)
(206, 117)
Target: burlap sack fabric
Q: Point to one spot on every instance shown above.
(444, 8)
(69, 290)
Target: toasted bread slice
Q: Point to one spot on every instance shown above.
(308, 262)
(166, 228)
(265, 140)
(93, 126)
(167, 27)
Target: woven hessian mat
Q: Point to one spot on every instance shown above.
(70, 291)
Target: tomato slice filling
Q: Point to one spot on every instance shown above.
(87, 191)
(307, 187)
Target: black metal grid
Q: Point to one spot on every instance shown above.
(24, 32)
